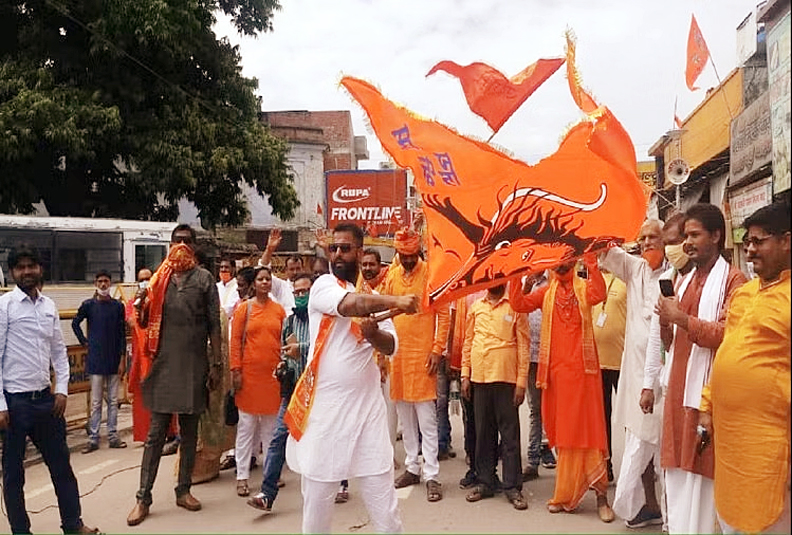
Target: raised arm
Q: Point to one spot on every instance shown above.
(359, 305)
(596, 291)
(620, 263)
(521, 302)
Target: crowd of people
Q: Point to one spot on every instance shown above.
(673, 348)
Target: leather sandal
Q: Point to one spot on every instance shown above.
(554, 508)
(516, 498)
(242, 488)
(407, 479)
(434, 491)
(479, 492)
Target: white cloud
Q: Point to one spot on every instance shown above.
(631, 54)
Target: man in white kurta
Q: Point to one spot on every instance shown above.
(346, 434)
(635, 486)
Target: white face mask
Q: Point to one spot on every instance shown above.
(676, 255)
(103, 293)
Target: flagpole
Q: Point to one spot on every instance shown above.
(492, 136)
(720, 87)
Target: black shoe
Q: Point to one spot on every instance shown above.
(530, 473)
(644, 518)
(118, 444)
(548, 459)
(610, 472)
(470, 480)
(90, 447)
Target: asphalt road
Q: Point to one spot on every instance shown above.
(109, 478)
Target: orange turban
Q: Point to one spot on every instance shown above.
(407, 242)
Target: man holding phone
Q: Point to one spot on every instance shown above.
(693, 321)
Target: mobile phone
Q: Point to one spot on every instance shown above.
(666, 288)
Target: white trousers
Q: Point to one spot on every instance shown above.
(630, 496)
(253, 430)
(421, 417)
(379, 497)
(690, 502)
(390, 407)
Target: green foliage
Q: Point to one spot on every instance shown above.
(119, 108)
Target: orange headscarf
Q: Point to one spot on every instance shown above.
(407, 242)
(180, 258)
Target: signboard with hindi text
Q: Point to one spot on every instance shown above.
(778, 68)
(745, 201)
(751, 145)
(375, 200)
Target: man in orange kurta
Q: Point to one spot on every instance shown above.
(693, 322)
(569, 376)
(414, 367)
(746, 405)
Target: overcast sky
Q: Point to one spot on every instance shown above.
(630, 53)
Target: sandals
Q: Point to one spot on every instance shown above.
(479, 492)
(407, 479)
(516, 498)
(554, 508)
(434, 491)
(242, 488)
(604, 510)
(342, 496)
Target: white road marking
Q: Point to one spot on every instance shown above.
(97, 467)
(39, 491)
(404, 492)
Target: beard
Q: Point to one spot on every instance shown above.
(347, 271)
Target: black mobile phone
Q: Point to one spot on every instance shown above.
(666, 288)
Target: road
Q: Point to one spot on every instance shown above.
(109, 478)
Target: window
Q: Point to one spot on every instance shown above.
(149, 256)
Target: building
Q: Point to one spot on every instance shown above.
(735, 145)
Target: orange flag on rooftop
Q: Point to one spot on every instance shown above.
(697, 54)
(490, 94)
(490, 217)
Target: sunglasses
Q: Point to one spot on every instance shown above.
(343, 247)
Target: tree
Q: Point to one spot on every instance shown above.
(118, 108)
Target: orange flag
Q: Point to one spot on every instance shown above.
(697, 54)
(318, 209)
(491, 217)
(490, 94)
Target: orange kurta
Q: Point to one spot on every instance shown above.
(260, 392)
(573, 414)
(678, 448)
(749, 398)
(419, 335)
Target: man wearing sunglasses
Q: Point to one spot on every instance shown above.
(337, 419)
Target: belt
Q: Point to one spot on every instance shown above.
(34, 395)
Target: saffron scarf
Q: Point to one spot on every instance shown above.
(301, 402)
(180, 258)
(590, 361)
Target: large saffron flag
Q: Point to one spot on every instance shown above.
(491, 217)
(697, 54)
(490, 94)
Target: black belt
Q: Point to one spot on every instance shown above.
(36, 394)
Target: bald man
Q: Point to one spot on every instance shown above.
(636, 499)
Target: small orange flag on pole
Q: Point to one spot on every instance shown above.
(697, 54)
(318, 209)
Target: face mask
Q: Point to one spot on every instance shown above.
(225, 276)
(301, 302)
(143, 285)
(103, 293)
(654, 257)
(676, 255)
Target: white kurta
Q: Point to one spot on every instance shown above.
(229, 296)
(347, 430)
(642, 292)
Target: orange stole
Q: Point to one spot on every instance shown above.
(590, 360)
(180, 258)
(301, 402)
